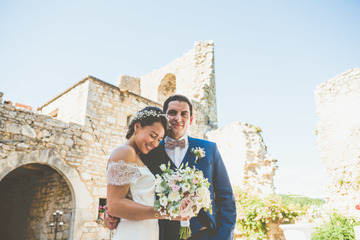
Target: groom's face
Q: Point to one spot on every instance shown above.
(179, 118)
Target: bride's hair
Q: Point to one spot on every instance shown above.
(146, 117)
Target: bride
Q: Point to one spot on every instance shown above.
(127, 175)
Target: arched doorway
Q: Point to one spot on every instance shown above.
(29, 195)
(167, 87)
(83, 205)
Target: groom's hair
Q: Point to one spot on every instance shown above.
(180, 98)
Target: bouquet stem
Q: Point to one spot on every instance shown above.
(185, 231)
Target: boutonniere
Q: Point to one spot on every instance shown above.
(198, 153)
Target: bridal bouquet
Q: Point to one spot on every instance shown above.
(182, 192)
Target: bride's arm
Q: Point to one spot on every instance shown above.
(120, 206)
(121, 172)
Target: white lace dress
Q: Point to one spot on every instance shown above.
(142, 189)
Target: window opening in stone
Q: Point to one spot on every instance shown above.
(167, 87)
(128, 120)
(101, 212)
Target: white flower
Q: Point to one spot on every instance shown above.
(199, 201)
(158, 180)
(173, 212)
(203, 201)
(163, 201)
(178, 178)
(186, 187)
(202, 191)
(198, 153)
(163, 167)
(174, 196)
(159, 189)
(171, 183)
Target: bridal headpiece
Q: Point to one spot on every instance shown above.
(147, 113)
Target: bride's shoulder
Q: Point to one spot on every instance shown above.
(123, 153)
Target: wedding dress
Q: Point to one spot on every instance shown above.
(142, 188)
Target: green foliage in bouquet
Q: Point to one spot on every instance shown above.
(255, 213)
(339, 227)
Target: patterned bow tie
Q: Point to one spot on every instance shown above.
(170, 144)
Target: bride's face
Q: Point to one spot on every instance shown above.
(149, 137)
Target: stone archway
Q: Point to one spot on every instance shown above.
(29, 195)
(82, 202)
(167, 87)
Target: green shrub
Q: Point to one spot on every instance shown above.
(301, 201)
(255, 213)
(338, 228)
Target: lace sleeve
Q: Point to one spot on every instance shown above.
(121, 173)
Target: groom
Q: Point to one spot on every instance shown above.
(176, 149)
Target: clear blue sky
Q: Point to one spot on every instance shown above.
(269, 56)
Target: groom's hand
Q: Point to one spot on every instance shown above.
(110, 222)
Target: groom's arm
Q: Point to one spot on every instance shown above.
(224, 199)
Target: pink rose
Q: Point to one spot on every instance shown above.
(195, 181)
(186, 207)
(175, 188)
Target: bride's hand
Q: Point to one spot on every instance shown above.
(110, 222)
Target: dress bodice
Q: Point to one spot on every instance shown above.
(142, 188)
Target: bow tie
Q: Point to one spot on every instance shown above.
(170, 144)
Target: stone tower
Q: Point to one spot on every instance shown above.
(192, 75)
(338, 129)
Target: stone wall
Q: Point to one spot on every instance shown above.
(28, 137)
(84, 148)
(129, 83)
(51, 193)
(245, 155)
(69, 106)
(29, 196)
(338, 129)
(109, 111)
(192, 75)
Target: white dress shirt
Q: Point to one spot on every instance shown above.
(177, 154)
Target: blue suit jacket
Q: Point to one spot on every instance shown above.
(223, 217)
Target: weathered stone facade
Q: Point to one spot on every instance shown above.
(31, 138)
(192, 75)
(245, 155)
(74, 133)
(338, 129)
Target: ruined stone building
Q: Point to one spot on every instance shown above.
(338, 129)
(55, 158)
